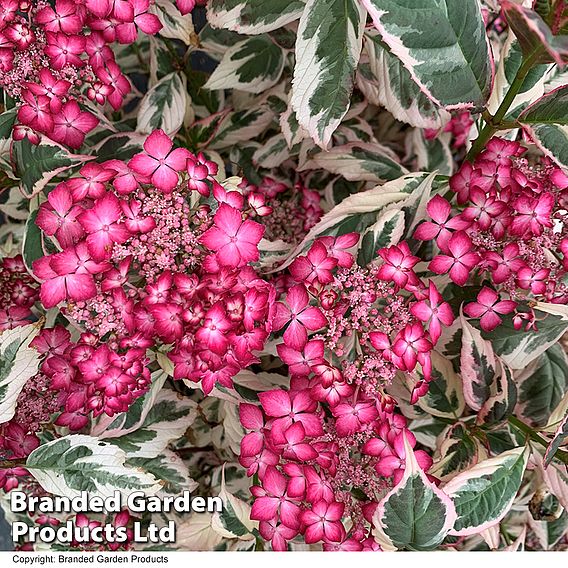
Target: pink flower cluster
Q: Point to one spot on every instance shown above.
(330, 446)
(56, 56)
(18, 293)
(317, 463)
(145, 262)
(510, 213)
(290, 212)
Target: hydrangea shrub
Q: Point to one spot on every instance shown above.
(308, 256)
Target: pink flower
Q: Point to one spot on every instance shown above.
(65, 50)
(251, 418)
(64, 18)
(460, 259)
(287, 410)
(168, 321)
(234, 241)
(272, 500)
(214, 329)
(111, 76)
(9, 477)
(323, 522)
(71, 125)
(185, 6)
(536, 281)
(488, 308)
(434, 311)
(301, 316)
(483, 208)
(36, 112)
(440, 228)
(317, 265)
(350, 418)
(398, 265)
(160, 162)
(466, 178)
(92, 181)
(410, 342)
(504, 265)
(58, 217)
(51, 87)
(300, 362)
(532, 215)
(104, 227)
(294, 447)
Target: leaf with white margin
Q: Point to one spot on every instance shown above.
(241, 126)
(291, 129)
(328, 46)
(395, 89)
(443, 44)
(272, 153)
(234, 520)
(502, 399)
(164, 106)
(350, 214)
(387, 231)
(76, 463)
(560, 438)
(18, 363)
(253, 16)
(125, 422)
(358, 161)
(445, 397)
(170, 469)
(484, 494)
(174, 25)
(509, 62)
(167, 420)
(194, 533)
(433, 154)
(478, 365)
(546, 121)
(517, 349)
(252, 65)
(415, 514)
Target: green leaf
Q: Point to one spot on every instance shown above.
(502, 398)
(252, 65)
(389, 84)
(126, 422)
(443, 45)
(458, 450)
(164, 106)
(478, 365)
(328, 47)
(547, 123)
(174, 25)
(358, 161)
(534, 35)
(387, 231)
(543, 385)
(32, 248)
(253, 16)
(168, 419)
(169, 468)
(560, 437)
(241, 126)
(234, 520)
(76, 463)
(510, 61)
(519, 348)
(415, 515)
(445, 395)
(483, 494)
(18, 363)
(36, 166)
(273, 152)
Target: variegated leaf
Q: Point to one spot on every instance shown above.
(174, 25)
(484, 493)
(18, 363)
(502, 398)
(415, 515)
(546, 121)
(442, 44)
(478, 366)
(252, 65)
(66, 466)
(164, 105)
(387, 231)
(253, 16)
(272, 153)
(240, 126)
(170, 469)
(328, 47)
(395, 89)
(167, 420)
(559, 439)
(358, 161)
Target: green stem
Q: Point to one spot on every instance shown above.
(8, 464)
(526, 429)
(494, 124)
